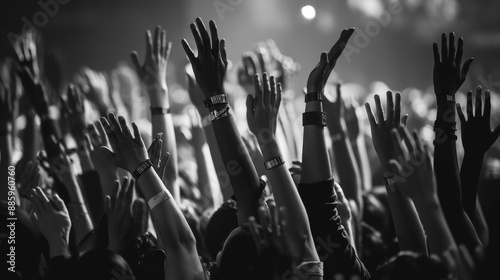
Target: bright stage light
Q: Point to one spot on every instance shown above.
(308, 12)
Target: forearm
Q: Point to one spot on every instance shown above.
(174, 233)
(80, 217)
(363, 162)
(239, 167)
(409, 231)
(288, 197)
(208, 182)
(439, 236)
(315, 162)
(345, 162)
(448, 179)
(469, 178)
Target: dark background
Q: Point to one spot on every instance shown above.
(99, 34)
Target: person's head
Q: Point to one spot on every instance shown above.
(411, 266)
(222, 222)
(373, 249)
(145, 258)
(238, 255)
(103, 265)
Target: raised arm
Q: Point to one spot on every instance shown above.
(262, 116)
(210, 68)
(449, 75)
(477, 138)
(406, 223)
(153, 75)
(415, 176)
(345, 160)
(176, 238)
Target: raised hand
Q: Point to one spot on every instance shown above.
(449, 74)
(26, 53)
(153, 72)
(335, 109)
(155, 154)
(413, 166)
(262, 111)
(53, 221)
(74, 109)
(319, 75)
(477, 136)
(210, 65)
(129, 150)
(247, 73)
(96, 89)
(126, 218)
(382, 127)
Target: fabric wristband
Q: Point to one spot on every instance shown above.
(142, 168)
(314, 118)
(313, 96)
(157, 199)
(216, 100)
(312, 268)
(274, 162)
(159, 111)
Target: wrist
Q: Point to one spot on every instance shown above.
(58, 247)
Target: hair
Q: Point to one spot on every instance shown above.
(373, 251)
(146, 260)
(411, 266)
(222, 222)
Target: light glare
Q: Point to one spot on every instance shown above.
(308, 12)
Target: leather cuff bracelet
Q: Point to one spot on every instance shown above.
(142, 168)
(313, 96)
(275, 162)
(314, 118)
(220, 99)
(159, 111)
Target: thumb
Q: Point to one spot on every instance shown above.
(404, 119)
(460, 114)
(249, 104)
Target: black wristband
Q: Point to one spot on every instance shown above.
(314, 118)
(159, 111)
(313, 96)
(142, 168)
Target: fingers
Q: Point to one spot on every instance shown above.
(215, 40)
(435, 51)
(163, 164)
(249, 104)
(451, 54)
(135, 60)
(460, 114)
(108, 153)
(204, 36)
(479, 103)
(444, 46)
(409, 141)
(59, 203)
(397, 109)
(404, 119)
(223, 51)
(149, 45)
(163, 43)
(465, 68)
(487, 105)
(267, 90)
(259, 95)
(137, 134)
(339, 46)
(390, 107)
(102, 132)
(371, 117)
(189, 52)
(157, 42)
(125, 128)
(396, 140)
(378, 109)
(113, 140)
(115, 126)
(279, 91)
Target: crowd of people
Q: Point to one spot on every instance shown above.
(113, 179)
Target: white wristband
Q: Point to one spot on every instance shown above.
(157, 199)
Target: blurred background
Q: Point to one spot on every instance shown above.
(392, 43)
